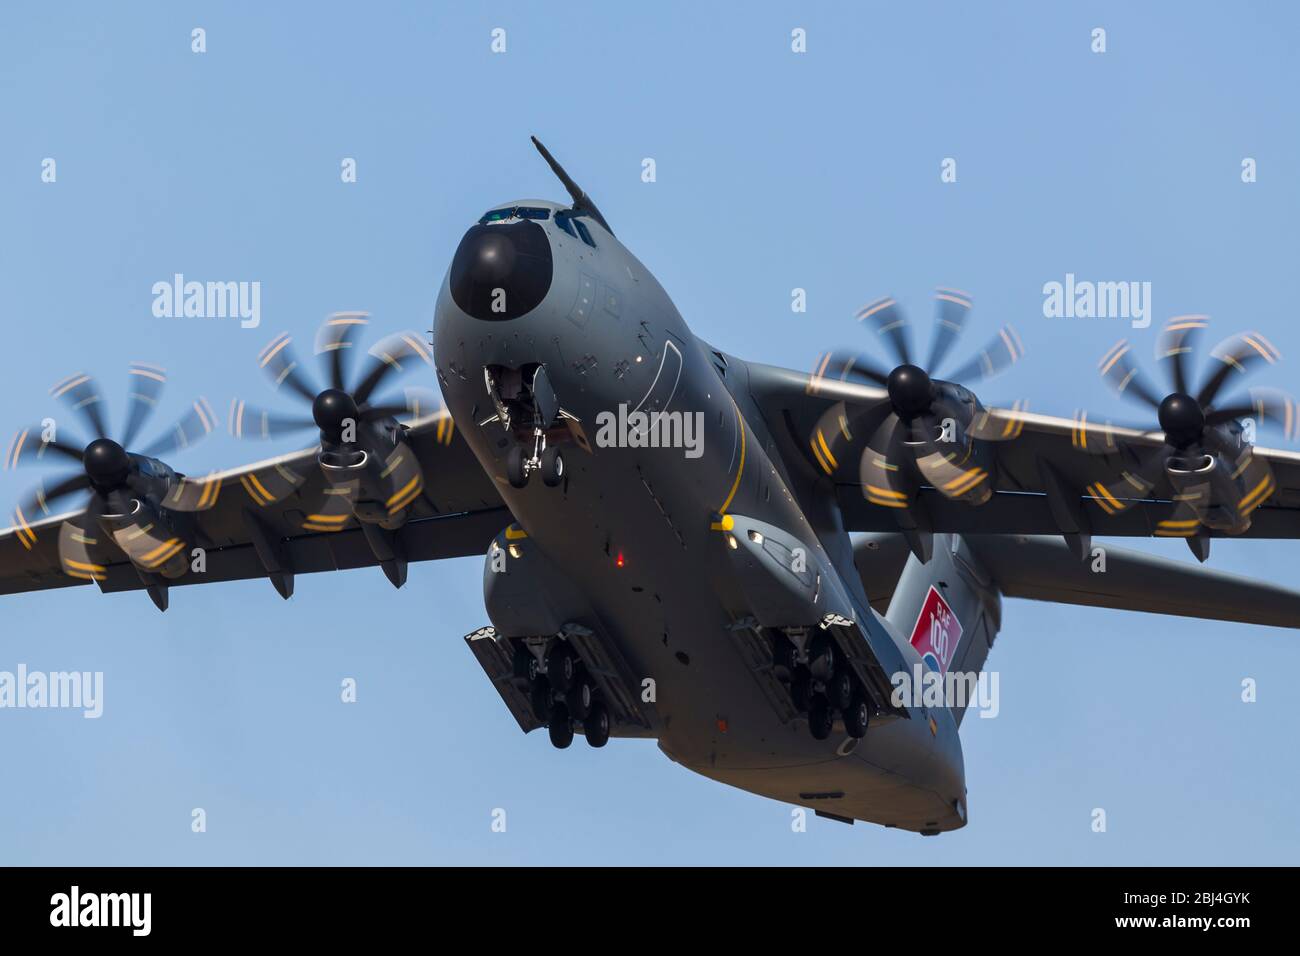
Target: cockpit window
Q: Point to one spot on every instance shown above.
(574, 227)
(515, 212)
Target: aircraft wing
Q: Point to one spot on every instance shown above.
(257, 521)
(1047, 475)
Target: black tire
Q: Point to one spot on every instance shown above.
(560, 727)
(821, 719)
(783, 654)
(596, 726)
(552, 467)
(515, 473)
(539, 696)
(823, 656)
(579, 699)
(839, 690)
(856, 717)
(561, 666)
(801, 689)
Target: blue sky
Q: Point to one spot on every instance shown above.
(775, 171)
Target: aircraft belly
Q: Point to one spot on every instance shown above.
(843, 790)
(658, 598)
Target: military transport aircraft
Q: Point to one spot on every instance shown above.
(666, 527)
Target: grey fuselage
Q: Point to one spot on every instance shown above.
(636, 530)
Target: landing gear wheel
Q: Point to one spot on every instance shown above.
(561, 666)
(856, 717)
(801, 688)
(596, 726)
(552, 467)
(579, 699)
(515, 473)
(539, 696)
(823, 656)
(783, 654)
(560, 727)
(839, 690)
(821, 718)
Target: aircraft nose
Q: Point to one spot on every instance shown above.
(501, 271)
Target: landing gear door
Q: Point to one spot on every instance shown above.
(503, 414)
(544, 400)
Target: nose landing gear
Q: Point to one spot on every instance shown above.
(548, 461)
(528, 409)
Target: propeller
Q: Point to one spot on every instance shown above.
(1216, 479)
(338, 410)
(122, 488)
(924, 430)
(337, 403)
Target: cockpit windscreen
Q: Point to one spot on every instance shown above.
(515, 212)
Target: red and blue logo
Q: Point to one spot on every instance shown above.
(937, 632)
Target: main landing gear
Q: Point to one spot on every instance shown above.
(562, 693)
(821, 682)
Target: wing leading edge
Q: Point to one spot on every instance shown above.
(1050, 476)
(257, 521)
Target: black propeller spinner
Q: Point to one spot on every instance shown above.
(332, 409)
(107, 464)
(912, 422)
(1187, 416)
(911, 387)
(1191, 422)
(107, 470)
(1182, 419)
(333, 406)
(910, 432)
(910, 390)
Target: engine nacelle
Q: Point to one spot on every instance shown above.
(1223, 488)
(378, 490)
(149, 540)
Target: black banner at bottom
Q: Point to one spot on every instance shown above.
(211, 905)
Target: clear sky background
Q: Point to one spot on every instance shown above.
(775, 171)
